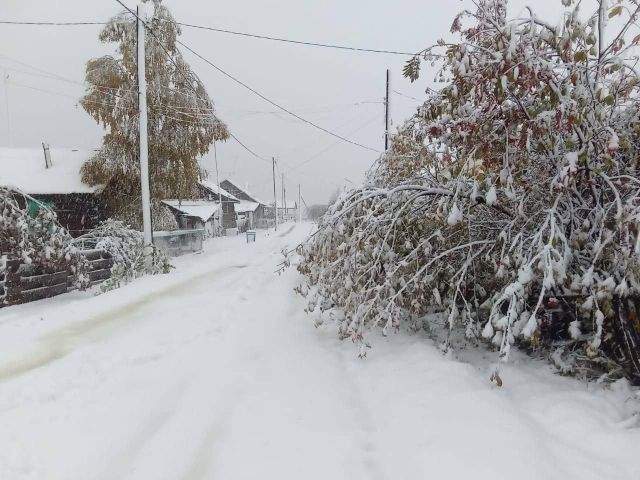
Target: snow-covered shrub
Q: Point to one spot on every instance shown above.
(131, 259)
(38, 242)
(509, 205)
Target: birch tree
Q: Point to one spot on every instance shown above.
(181, 118)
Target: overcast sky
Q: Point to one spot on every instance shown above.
(342, 91)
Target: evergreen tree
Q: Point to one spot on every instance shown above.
(182, 123)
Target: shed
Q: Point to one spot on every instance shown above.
(196, 214)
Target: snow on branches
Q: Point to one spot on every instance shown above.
(131, 259)
(37, 241)
(509, 205)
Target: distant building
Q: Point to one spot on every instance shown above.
(250, 210)
(211, 192)
(286, 212)
(52, 177)
(197, 214)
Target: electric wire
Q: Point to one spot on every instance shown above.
(227, 31)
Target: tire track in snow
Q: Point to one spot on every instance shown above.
(364, 418)
(124, 462)
(60, 343)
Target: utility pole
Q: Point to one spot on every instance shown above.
(144, 146)
(284, 199)
(386, 114)
(275, 197)
(299, 205)
(6, 105)
(221, 212)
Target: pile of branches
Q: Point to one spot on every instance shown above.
(508, 206)
(131, 258)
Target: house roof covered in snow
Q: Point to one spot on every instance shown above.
(24, 169)
(244, 206)
(201, 209)
(245, 190)
(213, 188)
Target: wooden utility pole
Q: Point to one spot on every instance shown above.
(275, 197)
(220, 210)
(386, 114)
(299, 205)
(6, 106)
(284, 199)
(144, 147)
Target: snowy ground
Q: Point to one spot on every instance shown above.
(216, 372)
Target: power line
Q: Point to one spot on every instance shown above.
(230, 32)
(240, 82)
(268, 100)
(328, 147)
(405, 95)
(297, 42)
(248, 149)
(56, 24)
(178, 69)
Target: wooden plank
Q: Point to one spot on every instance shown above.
(43, 292)
(95, 254)
(101, 264)
(100, 274)
(45, 280)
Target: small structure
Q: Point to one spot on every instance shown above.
(287, 212)
(252, 213)
(251, 236)
(211, 192)
(179, 242)
(52, 177)
(246, 212)
(197, 215)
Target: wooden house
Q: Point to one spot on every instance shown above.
(52, 177)
(211, 192)
(251, 211)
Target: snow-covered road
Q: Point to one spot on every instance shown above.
(215, 372)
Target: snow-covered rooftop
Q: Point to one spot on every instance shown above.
(24, 169)
(245, 206)
(217, 190)
(201, 209)
(245, 188)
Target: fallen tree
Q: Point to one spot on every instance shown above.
(508, 207)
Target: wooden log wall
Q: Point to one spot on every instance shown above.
(18, 285)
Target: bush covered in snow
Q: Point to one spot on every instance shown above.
(509, 205)
(39, 241)
(131, 259)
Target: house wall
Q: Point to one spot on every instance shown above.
(228, 215)
(228, 210)
(242, 195)
(77, 212)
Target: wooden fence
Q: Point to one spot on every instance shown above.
(20, 283)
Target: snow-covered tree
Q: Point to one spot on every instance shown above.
(181, 118)
(37, 242)
(508, 207)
